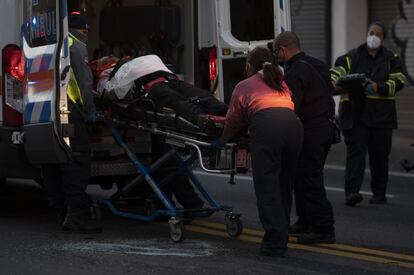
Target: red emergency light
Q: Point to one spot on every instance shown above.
(212, 63)
(13, 75)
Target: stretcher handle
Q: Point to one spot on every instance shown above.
(200, 159)
(186, 139)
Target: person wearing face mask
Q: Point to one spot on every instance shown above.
(66, 183)
(308, 79)
(262, 103)
(368, 115)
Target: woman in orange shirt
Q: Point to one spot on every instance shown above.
(262, 104)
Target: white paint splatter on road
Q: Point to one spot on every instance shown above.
(154, 247)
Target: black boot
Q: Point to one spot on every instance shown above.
(298, 228)
(353, 198)
(84, 220)
(313, 237)
(378, 200)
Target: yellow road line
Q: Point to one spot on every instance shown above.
(253, 235)
(369, 251)
(260, 233)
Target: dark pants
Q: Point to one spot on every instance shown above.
(276, 138)
(378, 143)
(66, 183)
(180, 96)
(312, 206)
(180, 186)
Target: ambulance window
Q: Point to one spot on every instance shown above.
(252, 20)
(40, 18)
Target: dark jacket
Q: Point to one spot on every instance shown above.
(83, 74)
(375, 110)
(308, 79)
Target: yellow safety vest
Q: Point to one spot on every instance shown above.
(72, 89)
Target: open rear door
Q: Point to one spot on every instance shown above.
(46, 55)
(235, 27)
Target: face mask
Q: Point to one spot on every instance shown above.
(373, 42)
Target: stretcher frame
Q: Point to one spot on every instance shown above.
(177, 216)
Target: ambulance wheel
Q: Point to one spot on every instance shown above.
(234, 225)
(177, 230)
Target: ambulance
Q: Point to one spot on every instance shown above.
(204, 41)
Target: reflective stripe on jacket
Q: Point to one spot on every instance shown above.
(73, 90)
(373, 110)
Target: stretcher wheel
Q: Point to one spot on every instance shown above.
(234, 225)
(177, 230)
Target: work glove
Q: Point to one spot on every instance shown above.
(216, 144)
(368, 90)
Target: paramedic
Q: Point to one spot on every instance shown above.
(262, 103)
(308, 79)
(67, 183)
(368, 115)
(149, 75)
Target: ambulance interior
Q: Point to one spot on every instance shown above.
(136, 27)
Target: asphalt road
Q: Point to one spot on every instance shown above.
(372, 239)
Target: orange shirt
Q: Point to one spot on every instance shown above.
(252, 95)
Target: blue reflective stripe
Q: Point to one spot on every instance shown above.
(65, 7)
(28, 112)
(29, 65)
(281, 4)
(65, 48)
(46, 112)
(45, 63)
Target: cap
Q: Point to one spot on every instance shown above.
(77, 21)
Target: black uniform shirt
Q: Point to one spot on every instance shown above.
(373, 110)
(309, 80)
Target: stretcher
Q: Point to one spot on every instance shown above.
(187, 144)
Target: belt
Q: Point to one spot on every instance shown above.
(149, 84)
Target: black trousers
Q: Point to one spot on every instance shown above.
(312, 206)
(180, 186)
(66, 183)
(378, 143)
(178, 95)
(276, 138)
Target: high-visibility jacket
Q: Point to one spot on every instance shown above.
(79, 89)
(73, 90)
(373, 110)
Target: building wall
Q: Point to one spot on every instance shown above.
(349, 25)
(350, 20)
(310, 20)
(398, 17)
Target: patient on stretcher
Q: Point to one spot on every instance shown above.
(147, 77)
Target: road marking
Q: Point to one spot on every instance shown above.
(341, 250)
(361, 192)
(249, 178)
(367, 171)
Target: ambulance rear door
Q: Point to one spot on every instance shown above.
(232, 28)
(46, 55)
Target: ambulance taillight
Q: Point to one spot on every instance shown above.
(13, 72)
(212, 63)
